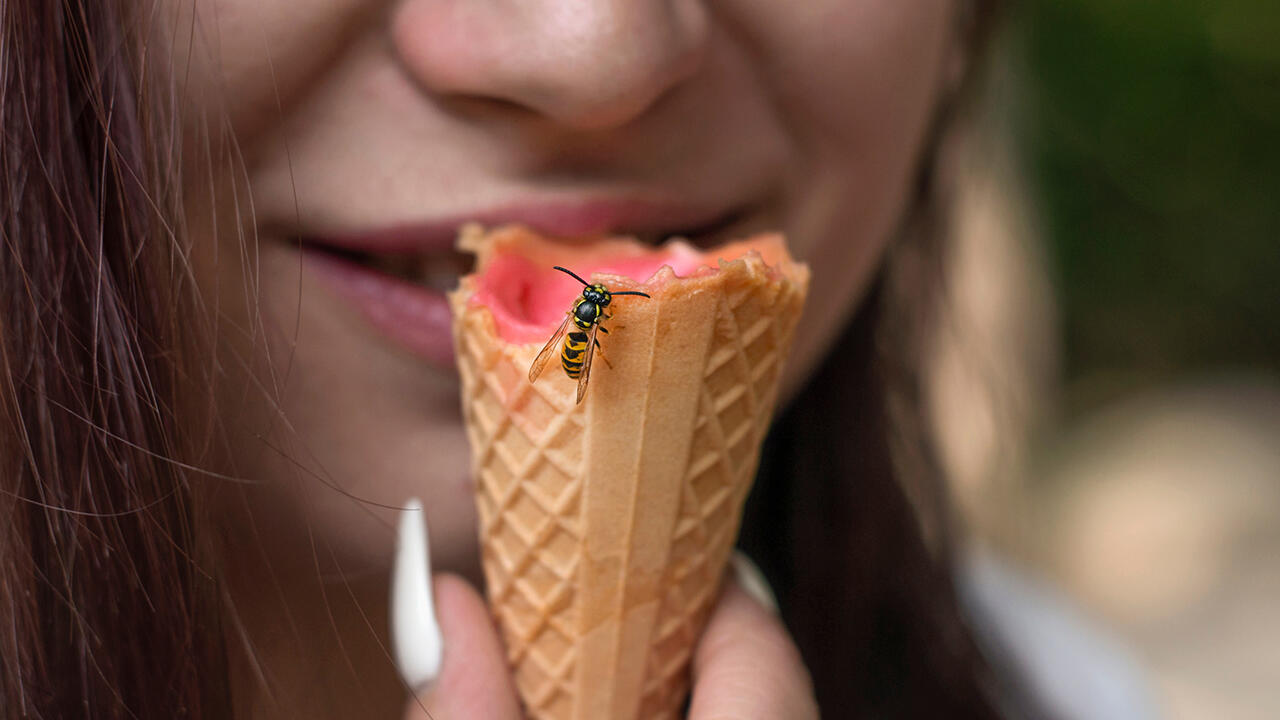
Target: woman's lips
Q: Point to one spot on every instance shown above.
(416, 316)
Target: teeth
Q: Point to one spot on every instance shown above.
(442, 280)
(440, 272)
(402, 266)
(437, 271)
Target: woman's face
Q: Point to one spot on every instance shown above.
(378, 126)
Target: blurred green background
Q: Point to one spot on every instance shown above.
(1151, 131)
(1149, 136)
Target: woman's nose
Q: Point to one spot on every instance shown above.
(583, 63)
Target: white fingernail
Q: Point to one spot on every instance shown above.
(752, 580)
(415, 633)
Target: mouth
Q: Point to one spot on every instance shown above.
(436, 271)
(397, 278)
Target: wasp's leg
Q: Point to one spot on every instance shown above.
(602, 355)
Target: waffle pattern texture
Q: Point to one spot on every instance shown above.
(606, 527)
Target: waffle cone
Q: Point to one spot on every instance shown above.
(606, 526)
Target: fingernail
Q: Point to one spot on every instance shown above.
(415, 633)
(752, 580)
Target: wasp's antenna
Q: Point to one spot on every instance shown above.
(575, 277)
(631, 292)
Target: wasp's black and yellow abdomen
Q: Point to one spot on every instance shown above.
(571, 357)
(585, 315)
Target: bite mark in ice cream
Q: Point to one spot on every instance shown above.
(528, 298)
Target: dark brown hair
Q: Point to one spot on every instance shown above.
(107, 607)
(108, 604)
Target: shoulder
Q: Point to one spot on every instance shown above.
(1068, 662)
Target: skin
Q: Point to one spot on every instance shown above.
(808, 117)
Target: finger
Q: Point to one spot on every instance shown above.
(444, 641)
(474, 681)
(415, 634)
(745, 667)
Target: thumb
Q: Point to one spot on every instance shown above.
(745, 667)
(474, 682)
(445, 643)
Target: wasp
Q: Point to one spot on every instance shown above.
(580, 343)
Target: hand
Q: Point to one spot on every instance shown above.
(474, 682)
(744, 668)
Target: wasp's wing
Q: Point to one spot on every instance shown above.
(548, 350)
(586, 361)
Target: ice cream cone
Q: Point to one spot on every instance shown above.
(606, 525)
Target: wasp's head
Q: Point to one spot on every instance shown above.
(597, 294)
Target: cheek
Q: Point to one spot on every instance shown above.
(241, 64)
(865, 69)
(858, 82)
